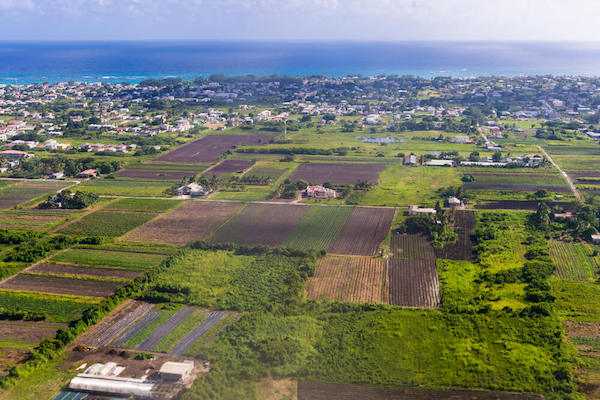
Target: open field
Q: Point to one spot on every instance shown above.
(209, 148)
(529, 205)
(403, 186)
(107, 223)
(318, 228)
(58, 308)
(134, 260)
(574, 261)
(413, 283)
(229, 167)
(21, 192)
(327, 391)
(159, 334)
(192, 221)
(514, 181)
(261, 224)
(355, 279)
(157, 174)
(214, 322)
(462, 249)
(142, 205)
(33, 219)
(265, 172)
(125, 187)
(85, 271)
(515, 187)
(337, 173)
(363, 231)
(51, 284)
(411, 247)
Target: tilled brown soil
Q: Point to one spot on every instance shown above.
(363, 232)
(50, 284)
(209, 148)
(192, 221)
(229, 167)
(340, 174)
(327, 391)
(413, 283)
(267, 224)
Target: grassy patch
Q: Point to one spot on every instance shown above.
(402, 186)
(576, 301)
(318, 228)
(148, 205)
(107, 223)
(574, 261)
(131, 260)
(139, 337)
(125, 187)
(58, 308)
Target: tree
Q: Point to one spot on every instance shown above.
(497, 156)
(474, 156)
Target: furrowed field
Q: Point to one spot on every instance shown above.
(574, 261)
(318, 228)
(107, 223)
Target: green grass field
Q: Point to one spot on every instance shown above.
(148, 205)
(574, 261)
(58, 308)
(124, 187)
(403, 186)
(107, 223)
(137, 261)
(576, 301)
(318, 228)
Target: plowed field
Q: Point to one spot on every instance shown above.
(363, 232)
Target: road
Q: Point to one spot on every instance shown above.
(578, 195)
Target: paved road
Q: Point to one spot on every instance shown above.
(565, 175)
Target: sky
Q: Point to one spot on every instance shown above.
(283, 20)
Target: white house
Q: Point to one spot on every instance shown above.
(416, 210)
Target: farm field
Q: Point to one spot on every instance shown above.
(157, 174)
(261, 224)
(401, 185)
(57, 308)
(318, 228)
(209, 148)
(515, 186)
(83, 271)
(262, 171)
(23, 191)
(462, 249)
(137, 260)
(354, 279)
(30, 219)
(51, 284)
(411, 247)
(229, 167)
(194, 220)
(574, 261)
(143, 205)
(27, 331)
(364, 230)
(327, 391)
(106, 223)
(341, 174)
(528, 205)
(125, 187)
(514, 180)
(413, 283)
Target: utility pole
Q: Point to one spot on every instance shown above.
(285, 128)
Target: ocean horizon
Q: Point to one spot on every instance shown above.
(133, 61)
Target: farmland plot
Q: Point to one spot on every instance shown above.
(462, 249)
(26, 331)
(198, 332)
(106, 223)
(143, 205)
(90, 272)
(337, 173)
(329, 391)
(21, 192)
(413, 283)
(363, 232)
(134, 260)
(318, 228)
(355, 279)
(523, 205)
(519, 188)
(157, 174)
(155, 337)
(411, 247)
(209, 148)
(229, 167)
(58, 308)
(265, 172)
(261, 224)
(50, 284)
(574, 261)
(192, 221)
